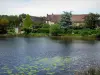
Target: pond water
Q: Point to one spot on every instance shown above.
(47, 56)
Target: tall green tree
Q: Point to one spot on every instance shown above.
(27, 24)
(66, 19)
(92, 20)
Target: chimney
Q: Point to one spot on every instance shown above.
(47, 14)
(52, 17)
(52, 14)
(47, 17)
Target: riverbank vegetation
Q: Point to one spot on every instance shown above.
(90, 27)
(9, 23)
(90, 71)
(65, 27)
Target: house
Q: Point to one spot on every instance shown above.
(38, 19)
(76, 19)
(35, 20)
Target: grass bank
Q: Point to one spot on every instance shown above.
(74, 36)
(25, 35)
(60, 36)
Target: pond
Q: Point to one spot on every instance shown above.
(47, 56)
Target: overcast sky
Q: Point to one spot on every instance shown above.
(43, 7)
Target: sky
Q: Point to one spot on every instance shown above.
(44, 7)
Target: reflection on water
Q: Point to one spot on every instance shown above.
(47, 56)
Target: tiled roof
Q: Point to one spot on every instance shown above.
(54, 18)
(37, 19)
(75, 18)
(78, 18)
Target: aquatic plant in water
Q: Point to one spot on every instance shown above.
(34, 66)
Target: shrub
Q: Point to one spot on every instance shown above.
(43, 30)
(27, 30)
(76, 31)
(55, 29)
(35, 30)
(97, 33)
(77, 27)
(68, 31)
(46, 26)
(11, 31)
(84, 33)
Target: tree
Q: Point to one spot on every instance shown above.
(27, 24)
(92, 20)
(3, 25)
(21, 17)
(66, 19)
(14, 21)
(4, 22)
(55, 29)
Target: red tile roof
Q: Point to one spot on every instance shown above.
(75, 18)
(54, 18)
(78, 18)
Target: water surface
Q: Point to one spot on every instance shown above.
(47, 56)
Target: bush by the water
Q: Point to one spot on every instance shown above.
(11, 32)
(43, 30)
(55, 29)
(86, 32)
(27, 30)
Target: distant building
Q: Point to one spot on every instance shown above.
(35, 19)
(38, 19)
(76, 19)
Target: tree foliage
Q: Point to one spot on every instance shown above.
(23, 21)
(92, 20)
(45, 26)
(4, 21)
(66, 19)
(27, 24)
(3, 25)
(13, 20)
(21, 17)
(55, 29)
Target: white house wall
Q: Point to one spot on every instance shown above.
(50, 23)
